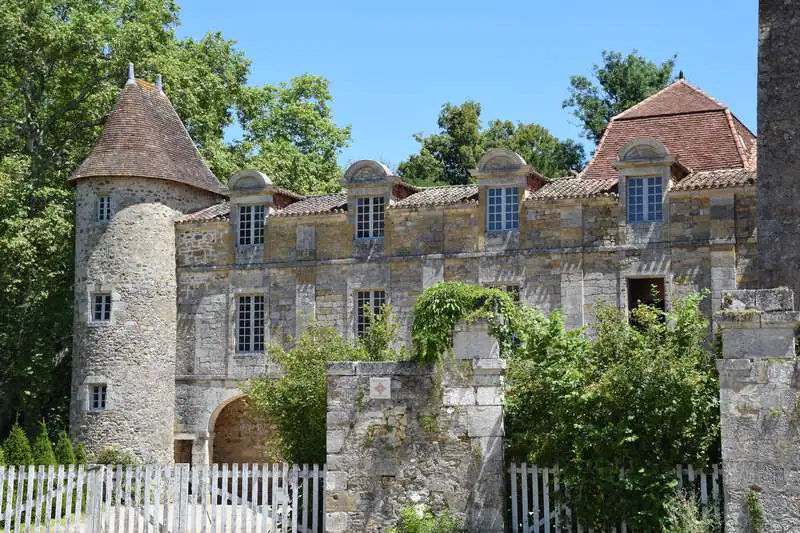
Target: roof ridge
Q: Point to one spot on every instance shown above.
(676, 83)
(673, 114)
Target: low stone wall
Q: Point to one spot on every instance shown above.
(402, 434)
(760, 408)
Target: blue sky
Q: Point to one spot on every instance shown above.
(392, 65)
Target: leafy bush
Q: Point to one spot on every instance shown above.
(441, 306)
(81, 457)
(638, 399)
(420, 519)
(65, 455)
(17, 448)
(2, 457)
(42, 448)
(683, 516)
(297, 401)
(111, 455)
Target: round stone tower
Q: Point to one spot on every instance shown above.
(143, 173)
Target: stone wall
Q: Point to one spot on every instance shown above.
(401, 434)
(760, 408)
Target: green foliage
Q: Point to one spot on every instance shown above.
(637, 398)
(420, 519)
(376, 342)
(441, 306)
(111, 455)
(755, 512)
(16, 447)
(297, 400)
(81, 457)
(62, 65)
(619, 83)
(683, 515)
(2, 457)
(448, 156)
(42, 449)
(65, 455)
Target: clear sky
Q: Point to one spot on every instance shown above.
(392, 65)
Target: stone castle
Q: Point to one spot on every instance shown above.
(182, 283)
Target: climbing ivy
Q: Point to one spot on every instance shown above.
(441, 306)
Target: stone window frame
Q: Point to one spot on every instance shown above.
(98, 397)
(255, 226)
(624, 283)
(359, 323)
(104, 213)
(86, 389)
(509, 218)
(236, 323)
(647, 185)
(373, 224)
(101, 290)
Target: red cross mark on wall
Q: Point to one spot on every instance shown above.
(380, 387)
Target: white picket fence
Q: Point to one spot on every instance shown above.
(245, 498)
(535, 496)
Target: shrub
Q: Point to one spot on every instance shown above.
(111, 455)
(65, 455)
(683, 516)
(17, 448)
(616, 413)
(42, 448)
(2, 457)
(81, 457)
(420, 519)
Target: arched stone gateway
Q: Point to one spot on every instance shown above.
(239, 436)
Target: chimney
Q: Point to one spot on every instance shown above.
(131, 77)
(159, 83)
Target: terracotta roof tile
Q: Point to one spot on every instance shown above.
(716, 179)
(312, 205)
(576, 188)
(221, 211)
(430, 196)
(680, 97)
(144, 137)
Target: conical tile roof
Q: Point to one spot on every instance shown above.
(144, 137)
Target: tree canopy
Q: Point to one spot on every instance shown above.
(448, 156)
(619, 83)
(62, 65)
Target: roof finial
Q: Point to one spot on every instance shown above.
(131, 77)
(680, 74)
(159, 83)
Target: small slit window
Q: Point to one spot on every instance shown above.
(98, 394)
(103, 212)
(101, 307)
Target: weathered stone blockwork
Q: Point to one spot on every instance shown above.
(435, 437)
(760, 408)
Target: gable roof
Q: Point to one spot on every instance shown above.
(143, 137)
(431, 196)
(702, 132)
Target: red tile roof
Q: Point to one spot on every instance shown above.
(693, 126)
(430, 196)
(575, 188)
(144, 137)
(221, 211)
(716, 179)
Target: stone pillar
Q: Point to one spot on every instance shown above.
(760, 408)
(200, 451)
(778, 184)
(404, 434)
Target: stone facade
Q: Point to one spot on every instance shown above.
(401, 434)
(178, 263)
(760, 408)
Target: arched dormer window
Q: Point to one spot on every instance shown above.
(251, 197)
(644, 166)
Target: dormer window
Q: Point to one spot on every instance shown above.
(369, 217)
(645, 199)
(502, 209)
(251, 225)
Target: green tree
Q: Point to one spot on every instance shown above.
(42, 448)
(639, 398)
(289, 133)
(2, 457)
(16, 447)
(62, 65)
(619, 83)
(65, 455)
(448, 156)
(81, 457)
